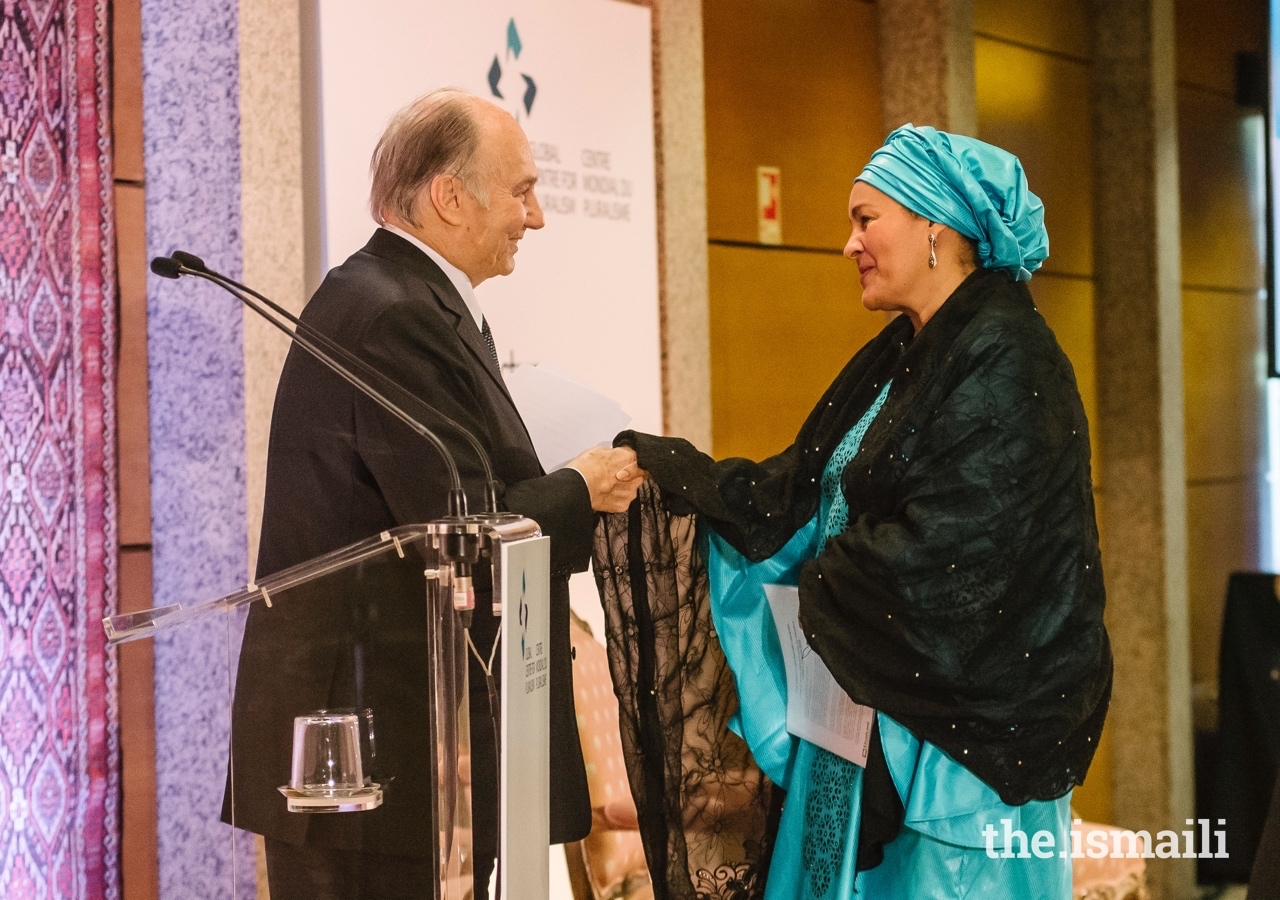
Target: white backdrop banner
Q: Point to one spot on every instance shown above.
(577, 74)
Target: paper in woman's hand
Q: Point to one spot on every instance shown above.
(563, 416)
(818, 709)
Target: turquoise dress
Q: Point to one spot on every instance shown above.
(942, 851)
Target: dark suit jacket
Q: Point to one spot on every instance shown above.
(341, 469)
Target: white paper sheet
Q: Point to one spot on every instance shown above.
(564, 417)
(818, 709)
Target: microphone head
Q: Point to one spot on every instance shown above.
(166, 267)
(190, 260)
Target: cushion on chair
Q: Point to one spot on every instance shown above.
(1108, 878)
(613, 852)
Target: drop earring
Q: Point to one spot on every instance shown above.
(933, 257)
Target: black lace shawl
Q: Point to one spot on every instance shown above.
(964, 599)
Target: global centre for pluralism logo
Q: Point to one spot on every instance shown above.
(503, 83)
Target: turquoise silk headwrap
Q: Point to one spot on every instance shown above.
(974, 187)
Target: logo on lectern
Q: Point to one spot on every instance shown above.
(522, 614)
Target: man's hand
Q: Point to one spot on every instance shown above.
(613, 477)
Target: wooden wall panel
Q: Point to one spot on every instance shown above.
(131, 392)
(126, 89)
(1222, 341)
(140, 870)
(1210, 33)
(1036, 105)
(1056, 26)
(794, 85)
(783, 324)
(1220, 170)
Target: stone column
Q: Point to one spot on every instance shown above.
(270, 194)
(1140, 431)
(195, 358)
(680, 130)
(926, 64)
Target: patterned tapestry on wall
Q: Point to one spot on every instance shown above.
(59, 822)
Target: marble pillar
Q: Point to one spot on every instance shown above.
(680, 130)
(270, 196)
(1139, 429)
(926, 64)
(191, 136)
(271, 214)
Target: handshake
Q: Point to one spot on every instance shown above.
(613, 477)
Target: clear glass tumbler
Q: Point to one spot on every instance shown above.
(326, 754)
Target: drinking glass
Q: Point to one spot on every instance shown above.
(326, 753)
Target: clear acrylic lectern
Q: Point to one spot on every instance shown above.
(366, 713)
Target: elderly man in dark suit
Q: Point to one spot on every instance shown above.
(453, 192)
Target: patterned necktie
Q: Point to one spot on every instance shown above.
(488, 342)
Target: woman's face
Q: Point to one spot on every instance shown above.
(891, 248)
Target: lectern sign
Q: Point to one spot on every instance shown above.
(526, 709)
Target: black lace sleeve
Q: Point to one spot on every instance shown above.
(704, 806)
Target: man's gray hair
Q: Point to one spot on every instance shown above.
(437, 134)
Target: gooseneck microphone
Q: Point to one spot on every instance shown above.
(304, 337)
(197, 266)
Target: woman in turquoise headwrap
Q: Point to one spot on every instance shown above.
(936, 514)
